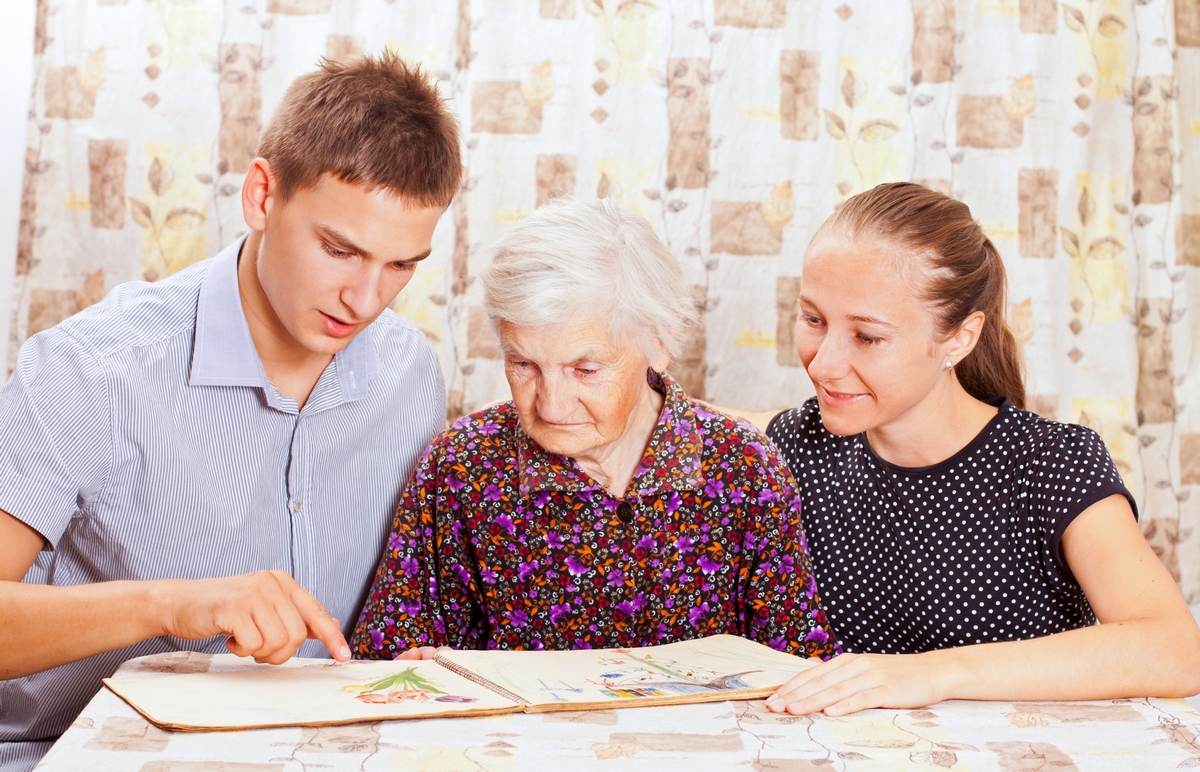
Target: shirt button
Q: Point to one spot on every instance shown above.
(296, 505)
(625, 513)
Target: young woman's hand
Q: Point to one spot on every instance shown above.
(854, 682)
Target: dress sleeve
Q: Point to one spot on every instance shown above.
(783, 607)
(56, 444)
(423, 594)
(1073, 473)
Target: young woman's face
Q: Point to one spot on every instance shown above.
(866, 338)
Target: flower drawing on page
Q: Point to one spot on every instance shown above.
(405, 686)
(402, 695)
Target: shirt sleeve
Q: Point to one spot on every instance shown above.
(423, 594)
(783, 606)
(56, 448)
(1075, 472)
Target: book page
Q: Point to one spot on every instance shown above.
(721, 667)
(314, 692)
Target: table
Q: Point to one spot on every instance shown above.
(1150, 734)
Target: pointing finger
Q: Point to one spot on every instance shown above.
(321, 626)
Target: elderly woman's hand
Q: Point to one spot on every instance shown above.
(854, 682)
(422, 652)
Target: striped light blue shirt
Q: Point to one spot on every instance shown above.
(142, 438)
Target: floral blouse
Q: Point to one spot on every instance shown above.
(499, 544)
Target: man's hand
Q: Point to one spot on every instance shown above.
(859, 681)
(266, 615)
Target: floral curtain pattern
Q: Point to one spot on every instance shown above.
(1071, 128)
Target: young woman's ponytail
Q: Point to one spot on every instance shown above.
(993, 368)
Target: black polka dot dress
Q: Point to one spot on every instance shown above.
(965, 551)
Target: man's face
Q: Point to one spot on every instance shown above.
(334, 256)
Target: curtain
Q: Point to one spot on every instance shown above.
(1072, 130)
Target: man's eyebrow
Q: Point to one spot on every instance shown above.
(417, 258)
(342, 240)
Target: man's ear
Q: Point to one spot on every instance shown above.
(963, 341)
(258, 194)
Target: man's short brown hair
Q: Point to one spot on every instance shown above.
(374, 121)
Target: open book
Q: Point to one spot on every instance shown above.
(319, 692)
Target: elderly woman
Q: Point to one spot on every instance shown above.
(601, 507)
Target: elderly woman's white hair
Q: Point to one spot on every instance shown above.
(571, 260)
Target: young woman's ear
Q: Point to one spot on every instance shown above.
(258, 193)
(963, 341)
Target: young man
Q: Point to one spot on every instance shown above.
(212, 461)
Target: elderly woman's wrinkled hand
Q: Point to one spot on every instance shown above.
(853, 682)
(422, 652)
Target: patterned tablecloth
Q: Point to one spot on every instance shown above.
(1142, 734)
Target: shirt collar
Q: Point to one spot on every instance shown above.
(671, 459)
(223, 353)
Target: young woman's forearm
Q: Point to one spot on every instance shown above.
(1148, 644)
(1145, 657)
(1153, 657)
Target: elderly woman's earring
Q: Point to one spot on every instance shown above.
(949, 364)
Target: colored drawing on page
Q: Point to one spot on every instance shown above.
(630, 676)
(405, 686)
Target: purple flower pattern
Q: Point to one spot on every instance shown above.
(518, 548)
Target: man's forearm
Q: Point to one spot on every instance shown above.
(266, 615)
(45, 626)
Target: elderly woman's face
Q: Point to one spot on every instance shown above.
(577, 391)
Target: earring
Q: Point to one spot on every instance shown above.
(949, 364)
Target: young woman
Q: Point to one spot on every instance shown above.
(963, 547)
